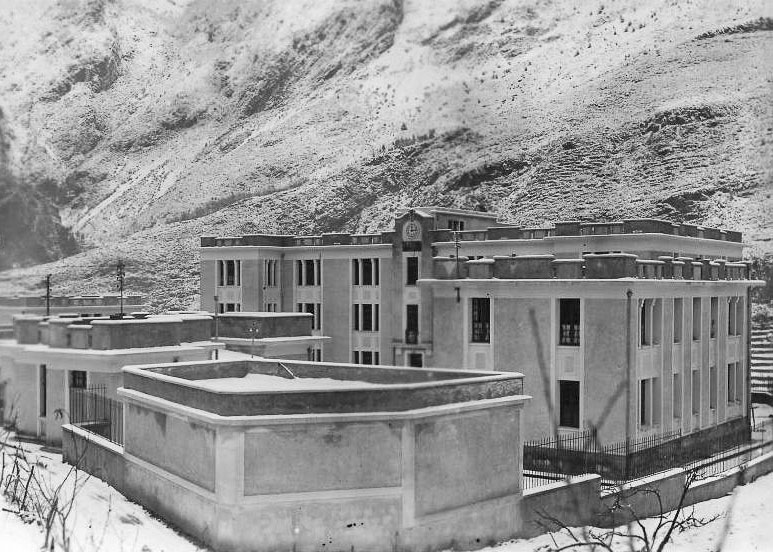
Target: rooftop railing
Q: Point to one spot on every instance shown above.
(569, 228)
(591, 266)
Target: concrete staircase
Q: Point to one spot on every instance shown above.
(762, 364)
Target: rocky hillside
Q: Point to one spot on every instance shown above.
(137, 125)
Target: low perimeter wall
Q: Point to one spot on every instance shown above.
(579, 502)
(433, 479)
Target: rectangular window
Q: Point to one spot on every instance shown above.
(678, 315)
(220, 273)
(456, 225)
(481, 319)
(376, 272)
(569, 403)
(411, 324)
(356, 316)
(356, 357)
(376, 358)
(367, 357)
(740, 316)
(43, 394)
(318, 272)
(270, 273)
(713, 387)
(676, 402)
(310, 272)
(77, 379)
(645, 324)
(569, 322)
(221, 307)
(644, 403)
(299, 272)
(696, 319)
(739, 382)
(657, 319)
(311, 308)
(230, 307)
(731, 316)
(367, 317)
(714, 317)
(367, 272)
(415, 360)
(376, 317)
(230, 273)
(355, 272)
(318, 355)
(731, 382)
(696, 392)
(412, 270)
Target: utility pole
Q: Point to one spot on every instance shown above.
(120, 274)
(48, 295)
(253, 332)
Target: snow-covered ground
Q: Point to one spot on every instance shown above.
(103, 520)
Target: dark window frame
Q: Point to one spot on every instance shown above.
(480, 320)
(569, 403)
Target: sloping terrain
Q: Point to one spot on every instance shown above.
(143, 124)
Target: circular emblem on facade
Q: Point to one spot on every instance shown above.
(411, 231)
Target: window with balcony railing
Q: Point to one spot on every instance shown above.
(481, 319)
(569, 322)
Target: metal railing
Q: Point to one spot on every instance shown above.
(553, 459)
(582, 453)
(92, 410)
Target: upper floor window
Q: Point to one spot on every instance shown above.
(366, 272)
(366, 317)
(481, 319)
(455, 225)
(650, 316)
(308, 272)
(271, 272)
(696, 318)
(569, 322)
(229, 273)
(412, 270)
(735, 316)
(714, 317)
(678, 316)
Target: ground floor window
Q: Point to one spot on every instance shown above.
(734, 382)
(649, 402)
(43, 397)
(366, 357)
(569, 403)
(77, 379)
(415, 360)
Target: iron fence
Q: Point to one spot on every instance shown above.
(91, 409)
(554, 458)
(582, 452)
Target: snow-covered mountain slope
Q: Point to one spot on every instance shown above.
(147, 122)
